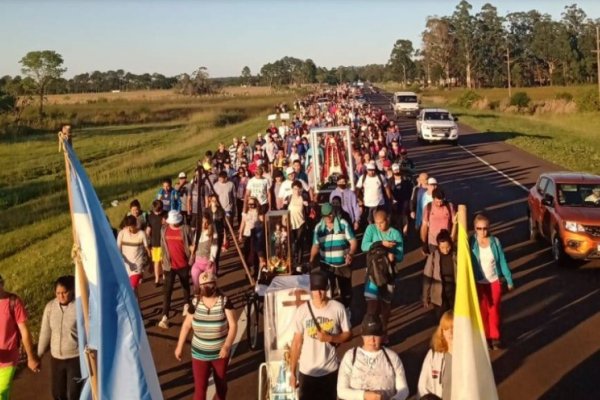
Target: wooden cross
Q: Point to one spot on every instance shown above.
(298, 301)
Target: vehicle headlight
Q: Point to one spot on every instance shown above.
(572, 226)
(425, 127)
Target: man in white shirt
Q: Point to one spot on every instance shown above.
(374, 189)
(320, 324)
(285, 189)
(258, 187)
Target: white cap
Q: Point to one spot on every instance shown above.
(243, 137)
(182, 175)
(371, 165)
(289, 170)
(174, 217)
(395, 167)
(432, 181)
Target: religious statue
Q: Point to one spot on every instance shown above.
(335, 161)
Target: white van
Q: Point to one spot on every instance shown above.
(405, 104)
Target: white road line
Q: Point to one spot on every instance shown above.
(241, 329)
(517, 183)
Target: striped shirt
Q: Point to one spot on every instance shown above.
(333, 243)
(210, 329)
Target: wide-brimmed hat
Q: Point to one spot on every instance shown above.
(174, 218)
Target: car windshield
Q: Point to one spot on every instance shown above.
(437, 116)
(578, 195)
(407, 99)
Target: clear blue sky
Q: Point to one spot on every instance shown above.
(177, 36)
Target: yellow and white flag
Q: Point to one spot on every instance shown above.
(472, 376)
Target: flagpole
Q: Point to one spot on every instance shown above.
(90, 355)
(462, 215)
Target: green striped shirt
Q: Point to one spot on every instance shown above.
(333, 243)
(210, 329)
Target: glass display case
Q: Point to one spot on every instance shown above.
(277, 233)
(331, 157)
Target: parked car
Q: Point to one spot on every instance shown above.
(564, 209)
(436, 124)
(405, 104)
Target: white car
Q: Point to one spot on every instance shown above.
(435, 125)
(405, 104)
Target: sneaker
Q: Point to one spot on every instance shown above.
(186, 307)
(164, 322)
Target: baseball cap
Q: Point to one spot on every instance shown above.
(371, 165)
(289, 170)
(395, 167)
(326, 209)
(318, 280)
(387, 164)
(432, 181)
(372, 325)
(182, 175)
(207, 277)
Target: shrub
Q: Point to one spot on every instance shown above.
(563, 96)
(467, 99)
(230, 116)
(520, 100)
(588, 101)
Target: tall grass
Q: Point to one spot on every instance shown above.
(123, 162)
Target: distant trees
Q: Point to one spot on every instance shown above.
(42, 67)
(196, 84)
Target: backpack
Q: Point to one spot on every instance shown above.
(379, 268)
(387, 357)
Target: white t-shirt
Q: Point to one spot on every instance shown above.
(259, 188)
(372, 190)
(488, 264)
(133, 249)
(285, 189)
(318, 358)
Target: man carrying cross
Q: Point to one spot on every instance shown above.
(320, 324)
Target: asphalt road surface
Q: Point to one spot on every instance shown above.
(550, 321)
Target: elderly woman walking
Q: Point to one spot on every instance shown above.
(491, 268)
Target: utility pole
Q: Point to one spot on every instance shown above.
(508, 68)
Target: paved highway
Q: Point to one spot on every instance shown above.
(550, 321)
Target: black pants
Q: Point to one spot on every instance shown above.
(298, 244)
(340, 277)
(65, 378)
(239, 208)
(320, 387)
(184, 278)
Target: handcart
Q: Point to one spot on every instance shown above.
(280, 300)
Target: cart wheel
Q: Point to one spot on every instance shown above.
(252, 324)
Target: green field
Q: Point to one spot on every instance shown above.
(123, 162)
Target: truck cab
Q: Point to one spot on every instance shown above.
(405, 104)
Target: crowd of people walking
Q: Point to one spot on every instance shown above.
(376, 202)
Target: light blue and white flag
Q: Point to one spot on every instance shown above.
(116, 329)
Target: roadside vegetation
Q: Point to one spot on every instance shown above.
(123, 161)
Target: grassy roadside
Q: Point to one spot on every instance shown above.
(123, 162)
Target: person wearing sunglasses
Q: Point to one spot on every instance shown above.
(491, 268)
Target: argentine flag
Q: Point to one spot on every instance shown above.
(125, 368)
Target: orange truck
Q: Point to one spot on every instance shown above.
(564, 209)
